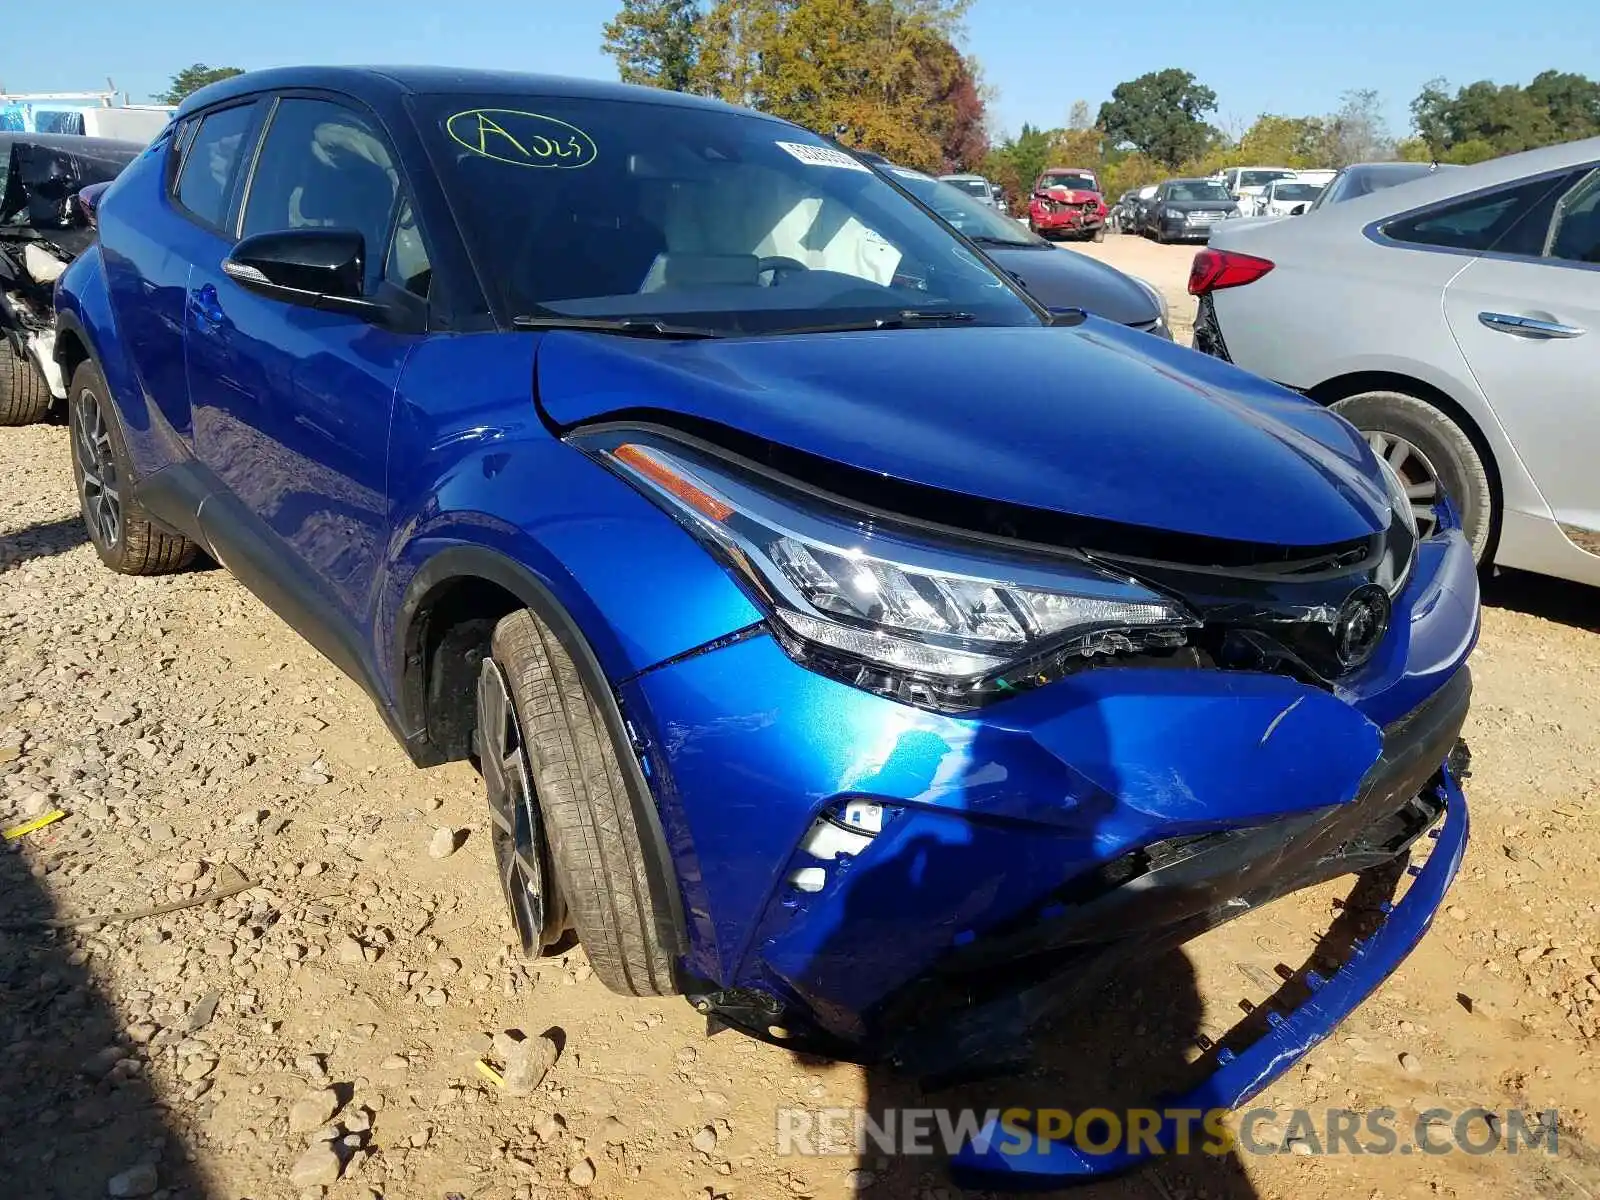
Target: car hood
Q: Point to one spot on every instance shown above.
(1200, 205)
(1061, 279)
(1088, 421)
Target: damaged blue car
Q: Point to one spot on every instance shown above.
(846, 642)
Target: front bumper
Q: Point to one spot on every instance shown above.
(1187, 230)
(1069, 221)
(1032, 850)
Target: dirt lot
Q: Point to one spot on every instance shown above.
(196, 744)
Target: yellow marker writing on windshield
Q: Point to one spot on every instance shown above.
(521, 139)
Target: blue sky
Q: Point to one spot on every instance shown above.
(1286, 56)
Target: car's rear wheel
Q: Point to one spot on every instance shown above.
(24, 397)
(124, 536)
(1433, 456)
(575, 792)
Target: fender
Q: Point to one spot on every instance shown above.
(458, 562)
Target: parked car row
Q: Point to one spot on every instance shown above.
(1176, 210)
(816, 603)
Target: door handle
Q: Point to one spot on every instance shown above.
(1528, 326)
(206, 305)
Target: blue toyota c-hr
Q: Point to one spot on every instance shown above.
(845, 642)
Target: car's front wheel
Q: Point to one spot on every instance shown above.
(558, 796)
(124, 536)
(24, 398)
(1433, 456)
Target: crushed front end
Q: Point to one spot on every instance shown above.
(45, 223)
(881, 867)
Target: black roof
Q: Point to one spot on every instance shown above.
(71, 142)
(375, 82)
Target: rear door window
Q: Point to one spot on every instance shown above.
(212, 165)
(1481, 222)
(1576, 233)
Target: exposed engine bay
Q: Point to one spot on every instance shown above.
(46, 221)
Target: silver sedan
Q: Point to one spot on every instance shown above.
(1455, 320)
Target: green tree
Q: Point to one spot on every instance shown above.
(192, 79)
(656, 42)
(885, 72)
(1160, 114)
(1281, 141)
(1018, 161)
(1573, 102)
(1485, 119)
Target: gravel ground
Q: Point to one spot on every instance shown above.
(321, 1028)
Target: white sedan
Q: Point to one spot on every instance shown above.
(1286, 198)
(1455, 320)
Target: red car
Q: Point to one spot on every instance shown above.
(1067, 203)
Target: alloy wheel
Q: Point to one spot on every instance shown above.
(1418, 474)
(100, 487)
(514, 816)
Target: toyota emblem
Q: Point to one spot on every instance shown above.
(1359, 628)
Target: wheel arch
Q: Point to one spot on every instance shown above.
(1342, 387)
(442, 633)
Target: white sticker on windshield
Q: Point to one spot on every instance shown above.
(822, 156)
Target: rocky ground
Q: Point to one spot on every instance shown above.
(350, 1021)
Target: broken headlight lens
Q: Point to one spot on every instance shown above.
(892, 609)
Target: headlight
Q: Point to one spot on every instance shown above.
(945, 625)
(1154, 294)
(1173, 214)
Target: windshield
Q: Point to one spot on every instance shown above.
(721, 220)
(977, 221)
(1197, 189)
(1077, 181)
(1295, 191)
(1354, 182)
(1252, 179)
(973, 187)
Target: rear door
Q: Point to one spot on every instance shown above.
(1527, 317)
(292, 404)
(171, 213)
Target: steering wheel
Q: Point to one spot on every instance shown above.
(777, 263)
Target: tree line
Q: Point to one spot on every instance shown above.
(1158, 126)
(890, 76)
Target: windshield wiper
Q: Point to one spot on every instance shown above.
(984, 239)
(628, 326)
(903, 319)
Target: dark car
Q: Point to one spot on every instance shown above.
(1058, 279)
(845, 642)
(1185, 209)
(1362, 179)
(1121, 216)
(42, 229)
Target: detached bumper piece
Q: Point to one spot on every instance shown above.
(996, 1158)
(974, 1011)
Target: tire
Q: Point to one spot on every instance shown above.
(1447, 449)
(1100, 234)
(24, 397)
(123, 535)
(623, 917)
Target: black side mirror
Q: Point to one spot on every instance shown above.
(317, 268)
(1297, 210)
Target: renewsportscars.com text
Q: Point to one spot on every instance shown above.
(916, 1131)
